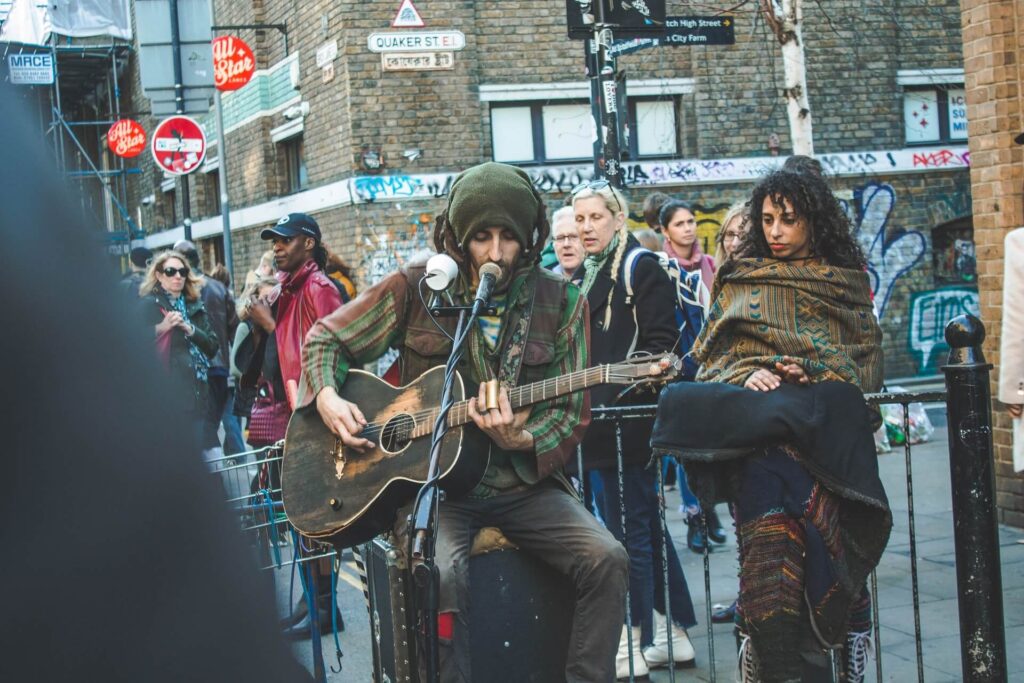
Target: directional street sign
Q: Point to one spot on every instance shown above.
(179, 145)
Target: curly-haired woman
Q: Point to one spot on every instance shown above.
(793, 307)
(172, 306)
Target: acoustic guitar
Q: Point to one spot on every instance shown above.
(337, 494)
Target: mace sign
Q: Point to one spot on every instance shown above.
(31, 68)
(233, 63)
(416, 41)
(179, 145)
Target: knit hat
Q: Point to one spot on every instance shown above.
(493, 195)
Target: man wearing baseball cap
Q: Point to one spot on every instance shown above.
(494, 217)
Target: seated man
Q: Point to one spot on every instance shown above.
(540, 331)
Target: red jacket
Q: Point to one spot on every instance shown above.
(306, 296)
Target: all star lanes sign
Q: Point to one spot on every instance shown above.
(416, 41)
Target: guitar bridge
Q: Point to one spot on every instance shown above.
(338, 454)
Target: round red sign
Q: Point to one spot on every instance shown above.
(179, 145)
(126, 138)
(233, 63)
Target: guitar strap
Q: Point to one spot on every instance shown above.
(512, 358)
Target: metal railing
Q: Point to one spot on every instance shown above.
(968, 403)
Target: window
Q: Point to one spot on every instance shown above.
(212, 193)
(560, 131)
(296, 177)
(652, 123)
(934, 106)
(537, 123)
(536, 132)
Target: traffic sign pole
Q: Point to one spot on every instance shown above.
(179, 107)
(609, 122)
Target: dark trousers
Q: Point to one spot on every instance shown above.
(218, 385)
(643, 541)
(547, 522)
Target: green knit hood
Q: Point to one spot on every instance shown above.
(493, 195)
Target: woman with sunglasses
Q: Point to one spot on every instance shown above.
(620, 326)
(185, 342)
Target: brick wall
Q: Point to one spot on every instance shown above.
(993, 37)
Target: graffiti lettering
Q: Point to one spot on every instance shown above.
(929, 313)
(372, 188)
(942, 158)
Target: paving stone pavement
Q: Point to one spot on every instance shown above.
(937, 589)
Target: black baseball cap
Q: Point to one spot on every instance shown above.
(293, 225)
(140, 257)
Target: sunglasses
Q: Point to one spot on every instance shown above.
(171, 272)
(597, 186)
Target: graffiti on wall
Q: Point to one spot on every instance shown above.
(891, 252)
(388, 250)
(561, 179)
(929, 313)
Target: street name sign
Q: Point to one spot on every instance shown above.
(31, 68)
(179, 145)
(417, 61)
(416, 41)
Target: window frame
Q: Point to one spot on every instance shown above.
(941, 91)
(536, 107)
(293, 151)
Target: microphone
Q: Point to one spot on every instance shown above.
(441, 272)
(490, 273)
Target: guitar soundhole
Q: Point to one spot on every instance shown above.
(397, 433)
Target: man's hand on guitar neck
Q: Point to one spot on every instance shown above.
(504, 427)
(343, 418)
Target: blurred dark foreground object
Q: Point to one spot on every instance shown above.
(120, 560)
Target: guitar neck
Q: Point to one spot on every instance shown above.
(537, 392)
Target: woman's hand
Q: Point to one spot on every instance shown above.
(791, 371)
(763, 380)
(506, 428)
(171, 320)
(261, 315)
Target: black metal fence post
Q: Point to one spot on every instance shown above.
(976, 533)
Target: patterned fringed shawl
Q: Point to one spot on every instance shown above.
(822, 316)
(766, 309)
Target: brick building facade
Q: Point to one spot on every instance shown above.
(993, 33)
(701, 118)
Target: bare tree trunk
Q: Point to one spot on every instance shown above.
(786, 19)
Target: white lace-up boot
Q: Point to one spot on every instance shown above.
(682, 650)
(859, 648)
(622, 657)
(747, 662)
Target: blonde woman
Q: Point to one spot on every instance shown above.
(619, 327)
(172, 306)
(734, 226)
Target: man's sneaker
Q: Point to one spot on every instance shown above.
(683, 654)
(623, 656)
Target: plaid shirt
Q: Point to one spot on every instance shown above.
(363, 330)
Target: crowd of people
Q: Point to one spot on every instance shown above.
(608, 294)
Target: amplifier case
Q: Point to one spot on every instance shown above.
(391, 613)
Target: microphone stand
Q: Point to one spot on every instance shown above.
(426, 576)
